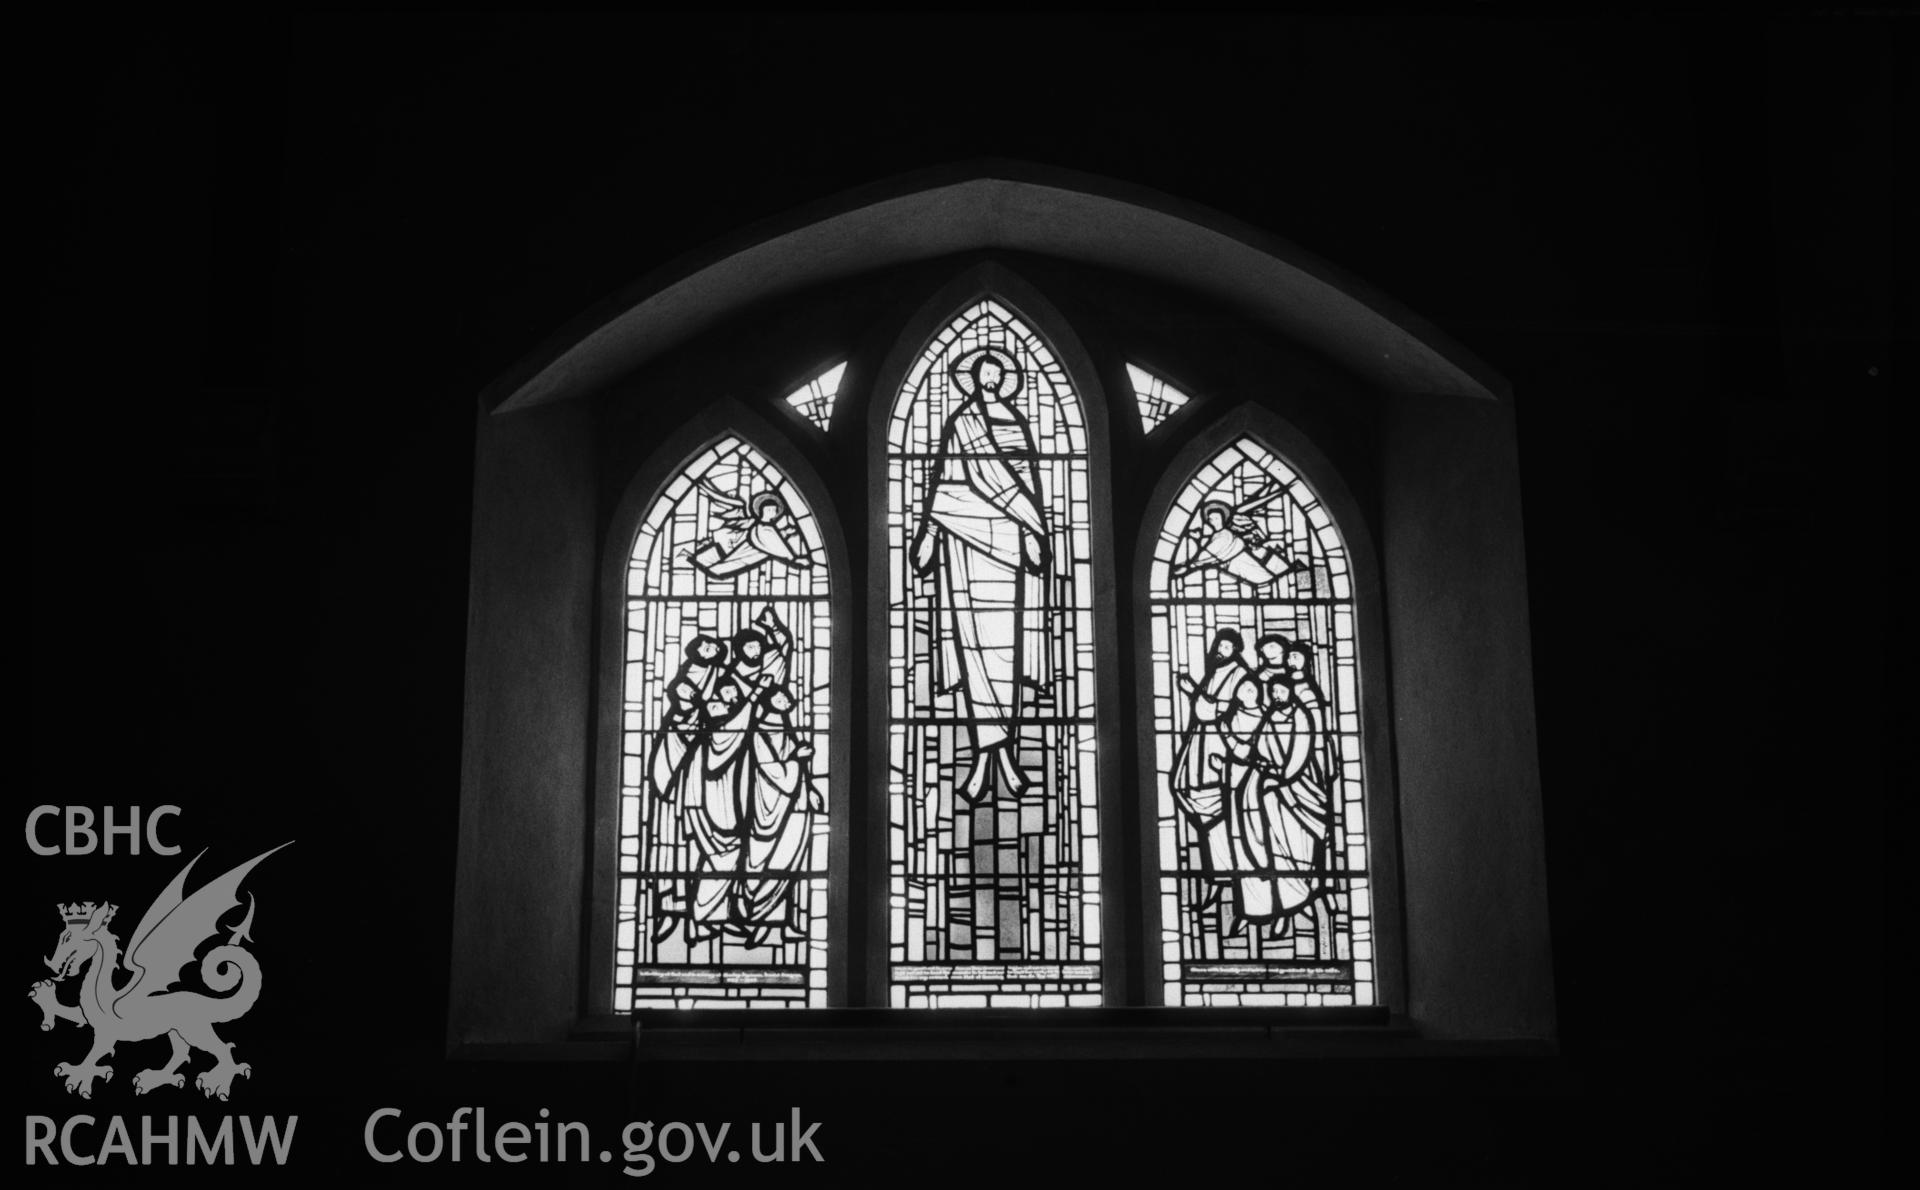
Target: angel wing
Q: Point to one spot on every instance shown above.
(175, 925)
(1251, 531)
(1258, 501)
(732, 508)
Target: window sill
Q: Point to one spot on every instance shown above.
(1006, 1035)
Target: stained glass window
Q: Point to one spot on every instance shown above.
(1157, 399)
(1262, 881)
(814, 399)
(723, 813)
(993, 874)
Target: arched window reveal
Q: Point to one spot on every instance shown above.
(723, 817)
(993, 874)
(1263, 888)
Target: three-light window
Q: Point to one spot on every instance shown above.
(1000, 703)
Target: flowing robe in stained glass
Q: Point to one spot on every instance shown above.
(1298, 929)
(1280, 812)
(984, 531)
(739, 774)
(1215, 753)
(718, 779)
(723, 841)
(994, 884)
(781, 821)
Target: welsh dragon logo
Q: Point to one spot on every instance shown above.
(148, 1004)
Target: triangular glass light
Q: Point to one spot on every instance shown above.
(814, 399)
(1158, 400)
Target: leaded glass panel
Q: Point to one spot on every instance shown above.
(993, 876)
(1157, 400)
(723, 817)
(814, 399)
(1263, 882)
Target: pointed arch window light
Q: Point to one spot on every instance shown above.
(814, 399)
(1263, 886)
(1157, 400)
(993, 872)
(723, 820)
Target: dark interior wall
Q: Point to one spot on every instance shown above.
(529, 751)
(275, 261)
(1463, 709)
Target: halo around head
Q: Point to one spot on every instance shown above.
(962, 369)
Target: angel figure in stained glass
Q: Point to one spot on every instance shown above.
(1229, 537)
(983, 535)
(753, 531)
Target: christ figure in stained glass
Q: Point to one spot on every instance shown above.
(983, 533)
(1227, 537)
